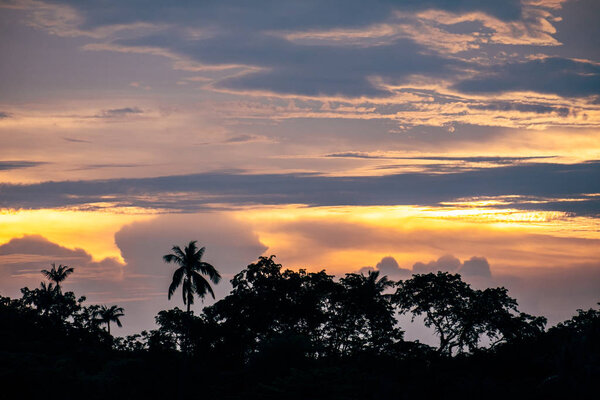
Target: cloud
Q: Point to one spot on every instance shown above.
(200, 191)
(476, 266)
(446, 263)
(264, 54)
(22, 259)
(400, 61)
(388, 266)
(7, 165)
(554, 75)
(523, 107)
(119, 112)
(245, 138)
(113, 165)
(4, 115)
(74, 140)
(140, 284)
(499, 160)
(553, 292)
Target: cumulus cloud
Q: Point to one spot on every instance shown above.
(446, 263)
(476, 267)
(388, 266)
(553, 292)
(21, 260)
(139, 285)
(473, 267)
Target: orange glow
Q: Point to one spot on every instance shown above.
(90, 230)
(342, 239)
(346, 238)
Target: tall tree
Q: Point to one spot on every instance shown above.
(364, 315)
(110, 314)
(190, 271)
(57, 274)
(462, 316)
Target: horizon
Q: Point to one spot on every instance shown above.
(402, 137)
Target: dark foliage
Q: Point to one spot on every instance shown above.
(284, 334)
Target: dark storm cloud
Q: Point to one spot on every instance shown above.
(200, 190)
(7, 165)
(561, 76)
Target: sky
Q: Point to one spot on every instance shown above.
(402, 136)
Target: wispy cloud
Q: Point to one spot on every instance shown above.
(119, 112)
(7, 165)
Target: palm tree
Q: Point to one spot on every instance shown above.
(190, 271)
(46, 297)
(57, 275)
(108, 315)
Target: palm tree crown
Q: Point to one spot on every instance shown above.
(107, 315)
(190, 271)
(57, 275)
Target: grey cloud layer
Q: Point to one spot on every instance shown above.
(275, 14)
(252, 34)
(550, 75)
(193, 192)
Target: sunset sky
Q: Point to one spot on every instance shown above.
(405, 136)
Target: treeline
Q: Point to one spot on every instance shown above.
(294, 334)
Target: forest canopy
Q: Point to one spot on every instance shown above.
(300, 333)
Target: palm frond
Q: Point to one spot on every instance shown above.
(208, 269)
(178, 252)
(172, 259)
(177, 278)
(202, 286)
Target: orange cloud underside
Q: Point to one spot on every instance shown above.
(89, 230)
(342, 239)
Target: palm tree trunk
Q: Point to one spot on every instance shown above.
(108, 327)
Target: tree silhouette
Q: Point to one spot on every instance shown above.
(45, 297)
(107, 315)
(364, 315)
(190, 271)
(57, 274)
(461, 315)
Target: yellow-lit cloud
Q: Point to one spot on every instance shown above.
(89, 230)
